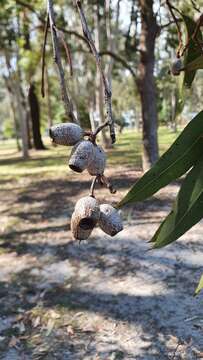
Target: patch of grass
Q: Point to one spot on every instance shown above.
(54, 161)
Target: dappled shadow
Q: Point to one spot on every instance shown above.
(12, 235)
(140, 311)
(32, 160)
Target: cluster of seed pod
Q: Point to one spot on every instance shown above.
(86, 154)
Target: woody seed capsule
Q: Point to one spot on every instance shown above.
(85, 217)
(81, 155)
(97, 165)
(176, 67)
(110, 221)
(66, 134)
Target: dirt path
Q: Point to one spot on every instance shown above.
(108, 298)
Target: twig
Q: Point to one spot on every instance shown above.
(57, 58)
(43, 55)
(107, 90)
(67, 49)
(195, 6)
(194, 36)
(104, 181)
(93, 135)
(121, 60)
(92, 188)
(171, 8)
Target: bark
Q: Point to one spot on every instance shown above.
(147, 87)
(23, 122)
(35, 117)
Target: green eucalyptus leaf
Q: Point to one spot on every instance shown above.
(195, 64)
(178, 159)
(187, 210)
(193, 51)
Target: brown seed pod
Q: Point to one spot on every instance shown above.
(97, 165)
(176, 67)
(66, 134)
(110, 221)
(85, 217)
(81, 155)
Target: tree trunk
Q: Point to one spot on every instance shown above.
(147, 87)
(8, 84)
(15, 84)
(23, 122)
(35, 117)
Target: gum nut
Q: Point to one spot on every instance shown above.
(97, 165)
(88, 211)
(110, 221)
(81, 155)
(176, 67)
(80, 231)
(85, 217)
(66, 134)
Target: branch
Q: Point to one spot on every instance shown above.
(67, 50)
(120, 60)
(171, 9)
(92, 188)
(57, 58)
(169, 23)
(41, 19)
(107, 91)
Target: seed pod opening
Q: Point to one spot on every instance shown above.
(81, 230)
(110, 221)
(176, 67)
(66, 134)
(81, 155)
(97, 165)
(85, 217)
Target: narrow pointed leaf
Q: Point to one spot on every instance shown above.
(178, 159)
(187, 210)
(193, 51)
(195, 64)
(167, 219)
(199, 286)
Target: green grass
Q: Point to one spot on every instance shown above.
(127, 151)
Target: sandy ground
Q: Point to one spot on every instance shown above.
(107, 298)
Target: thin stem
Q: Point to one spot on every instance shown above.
(92, 188)
(43, 55)
(171, 8)
(107, 90)
(106, 182)
(57, 58)
(67, 49)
